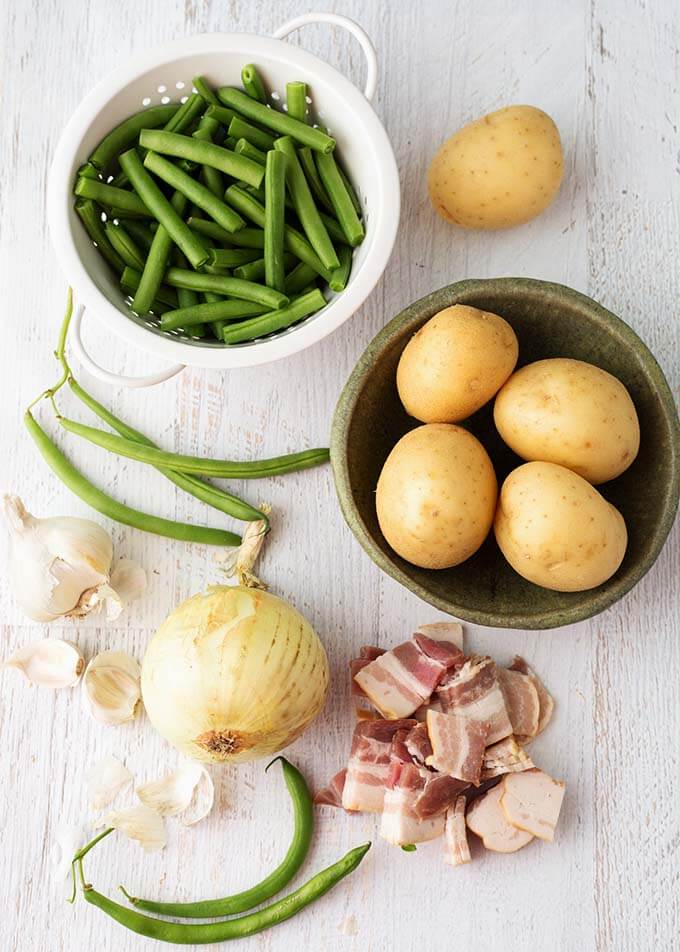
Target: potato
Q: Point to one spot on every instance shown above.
(455, 363)
(501, 170)
(572, 413)
(556, 530)
(436, 496)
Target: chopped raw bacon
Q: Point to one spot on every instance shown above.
(399, 752)
(402, 679)
(507, 756)
(367, 653)
(440, 792)
(418, 743)
(400, 824)
(532, 801)
(451, 631)
(473, 691)
(521, 701)
(421, 713)
(443, 651)
(458, 745)
(456, 848)
(331, 795)
(369, 763)
(545, 701)
(486, 818)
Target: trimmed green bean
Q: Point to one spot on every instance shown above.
(340, 276)
(252, 83)
(90, 216)
(74, 480)
(203, 153)
(222, 310)
(202, 88)
(336, 233)
(163, 211)
(156, 261)
(341, 200)
(141, 232)
(350, 190)
(123, 214)
(216, 326)
(298, 279)
(230, 287)
(88, 171)
(306, 157)
(278, 121)
(232, 257)
(240, 129)
(199, 466)
(305, 209)
(274, 219)
(221, 113)
(130, 281)
(296, 100)
(243, 147)
(186, 298)
(128, 131)
(124, 245)
(256, 327)
(245, 238)
(201, 196)
(110, 195)
(254, 271)
(185, 115)
(211, 178)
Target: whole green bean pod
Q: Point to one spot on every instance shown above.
(278, 121)
(127, 133)
(274, 219)
(252, 83)
(90, 216)
(203, 153)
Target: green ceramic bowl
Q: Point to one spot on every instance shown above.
(550, 320)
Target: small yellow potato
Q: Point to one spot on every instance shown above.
(436, 496)
(455, 364)
(556, 530)
(499, 171)
(572, 413)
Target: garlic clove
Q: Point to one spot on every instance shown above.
(139, 823)
(238, 563)
(111, 685)
(187, 792)
(51, 663)
(127, 582)
(105, 780)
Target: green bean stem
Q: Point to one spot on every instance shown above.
(340, 276)
(256, 327)
(274, 219)
(340, 198)
(240, 129)
(124, 245)
(278, 121)
(203, 89)
(296, 100)
(110, 195)
(222, 310)
(127, 132)
(252, 83)
(203, 153)
(90, 216)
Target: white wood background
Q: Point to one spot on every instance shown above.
(607, 71)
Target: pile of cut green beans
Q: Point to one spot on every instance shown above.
(223, 218)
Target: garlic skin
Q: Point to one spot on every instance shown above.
(61, 566)
(239, 563)
(141, 824)
(50, 663)
(68, 839)
(105, 780)
(187, 793)
(111, 687)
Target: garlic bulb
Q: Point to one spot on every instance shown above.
(111, 687)
(61, 566)
(51, 663)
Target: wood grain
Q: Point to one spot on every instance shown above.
(607, 70)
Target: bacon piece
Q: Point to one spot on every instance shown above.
(456, 848)
(399, 752)
(532, 801)
(458, 745)
(507, 756)
(421, 713)
(451, 631)
(331, 795)
(473, 691)
(418, 743)
(439, 794)
(521, 701)
(369, 763)
(367, 653)
(443, 651)
(400, 680)
(486, 818)
(400, 824)
(545, 701)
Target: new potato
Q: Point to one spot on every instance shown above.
(436, 496)
(455, 364)
(501, 170)
(572, 413)
(556, 530)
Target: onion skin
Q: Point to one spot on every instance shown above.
(233, 675)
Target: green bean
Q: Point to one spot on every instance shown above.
(340, 276)
(156, 261)
(186, 298)
(185, 115)
(211, 495)
(194, 191)
(340, 198)
(245, 238)
(202, 88)
(350, 190)
(221, 113)
(334, 230)
(303, 813)
(298, 279)
(131, 279)
(128, 131)
(306, 157)
(88, 171)
(74, 480)
(230, 287)
(278, 121)
(240, 129)
(252, 83)
(124, 214)
(232, 257)
(163, 211)
(230, 143)
(90, 216)
(203, 153)
(211, 178)
(141, 232)
(199, 466)
(110, 195)
(124, 245)
(256, 327)
(243, 147)
(216, 326)
(274, 219)
(294, 242)
(306, 210)
(254, 271)
(296, 100)
(222, 310)
(183, 933)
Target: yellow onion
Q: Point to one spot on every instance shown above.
(233, 674)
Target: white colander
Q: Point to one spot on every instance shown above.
(165, 74)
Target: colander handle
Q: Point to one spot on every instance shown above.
(347, 24)
(118, 380)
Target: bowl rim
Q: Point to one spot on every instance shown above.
(412, 316)
(337, 311)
